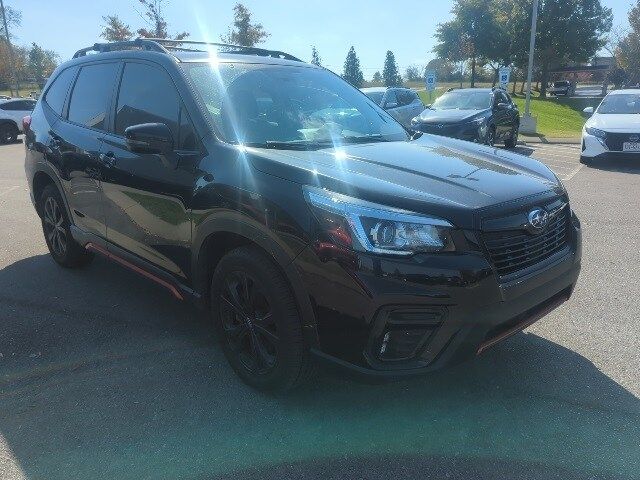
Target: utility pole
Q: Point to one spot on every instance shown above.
(528, 123)
(10, 47)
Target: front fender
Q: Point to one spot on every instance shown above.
(280, 251)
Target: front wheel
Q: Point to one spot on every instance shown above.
(490, 139)
(512, 141)
(257, 320)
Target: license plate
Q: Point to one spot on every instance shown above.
(631, 147)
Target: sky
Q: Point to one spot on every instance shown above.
(372, 26)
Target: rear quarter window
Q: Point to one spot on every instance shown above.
(57, 92)
(91, 94)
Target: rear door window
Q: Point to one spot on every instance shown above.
(57, 92)
(91, 95)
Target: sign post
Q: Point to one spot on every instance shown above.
(430, 81)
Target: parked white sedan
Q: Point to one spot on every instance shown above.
(613, 131)
(11, 114)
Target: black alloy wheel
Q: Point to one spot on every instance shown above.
(57, 231)
(259, 326)
(248, 323)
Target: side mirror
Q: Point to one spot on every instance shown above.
(149, 138)
(588, 111)
(390, 105)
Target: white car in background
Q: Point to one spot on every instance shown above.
(11, 114)
(613, 131)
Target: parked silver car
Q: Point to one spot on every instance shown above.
(402, 103)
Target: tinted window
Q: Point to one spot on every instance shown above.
(376, 96)
(405, 97)
(57, 92)
(91, 93)
(19, 105)
(391, 97)
(147, 95)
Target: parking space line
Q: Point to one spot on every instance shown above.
(572, 174)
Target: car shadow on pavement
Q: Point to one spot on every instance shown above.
(620, 166)
(523, 150)
(103, 375)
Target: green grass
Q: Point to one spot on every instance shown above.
(561, 118)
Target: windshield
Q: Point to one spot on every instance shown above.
(375, 96)
(463, 100)
(288, 106)
(620, 103)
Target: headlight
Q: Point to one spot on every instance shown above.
(361, 225)
(477, 121)
(596, 132)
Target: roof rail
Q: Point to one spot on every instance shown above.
(184, 45)
(138, 43)
(164, 45)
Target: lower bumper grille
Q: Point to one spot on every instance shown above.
(615, 141)
(514, 250)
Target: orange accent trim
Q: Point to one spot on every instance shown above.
(521, 326)
(96, 248)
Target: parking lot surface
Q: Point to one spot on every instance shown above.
(105, 376)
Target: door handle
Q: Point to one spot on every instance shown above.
(107, 159)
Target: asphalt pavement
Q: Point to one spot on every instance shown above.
(105, 376)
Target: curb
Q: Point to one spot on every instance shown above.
(549, 141)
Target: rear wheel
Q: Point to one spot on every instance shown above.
(56, 227)
(258, 323)
(8, 133)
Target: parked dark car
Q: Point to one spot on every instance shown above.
(300, 214)
(403, 104)
(481, 115)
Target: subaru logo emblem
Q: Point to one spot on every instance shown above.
(634, 138)
(538, 220)
(440, 125)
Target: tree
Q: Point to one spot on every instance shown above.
(628, 49)
(469, 35)
(569, 31)
(377, 78)
(413, 73)
(315, 56)
(243, 31)
(41, 63)
(390, 72)
(446, 71)
(115, 30)
(158, 27)
(14, 18)
(352, 72)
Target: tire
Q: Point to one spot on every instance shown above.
(56, 228)
(8, 133)
(490, 139)
(257, 320)
(512, 141)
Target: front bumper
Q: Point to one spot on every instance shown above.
(471, 132)
(596, 148)
(453, 303)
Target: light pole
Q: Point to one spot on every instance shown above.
(528, 123)
(6, 32)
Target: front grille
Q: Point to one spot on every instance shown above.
(445, 130)
(512, 251)
(614, 141)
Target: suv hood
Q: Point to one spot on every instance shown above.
(432, 175)
(449, 116)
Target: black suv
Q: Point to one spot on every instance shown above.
(299, 213)
(481, 115)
